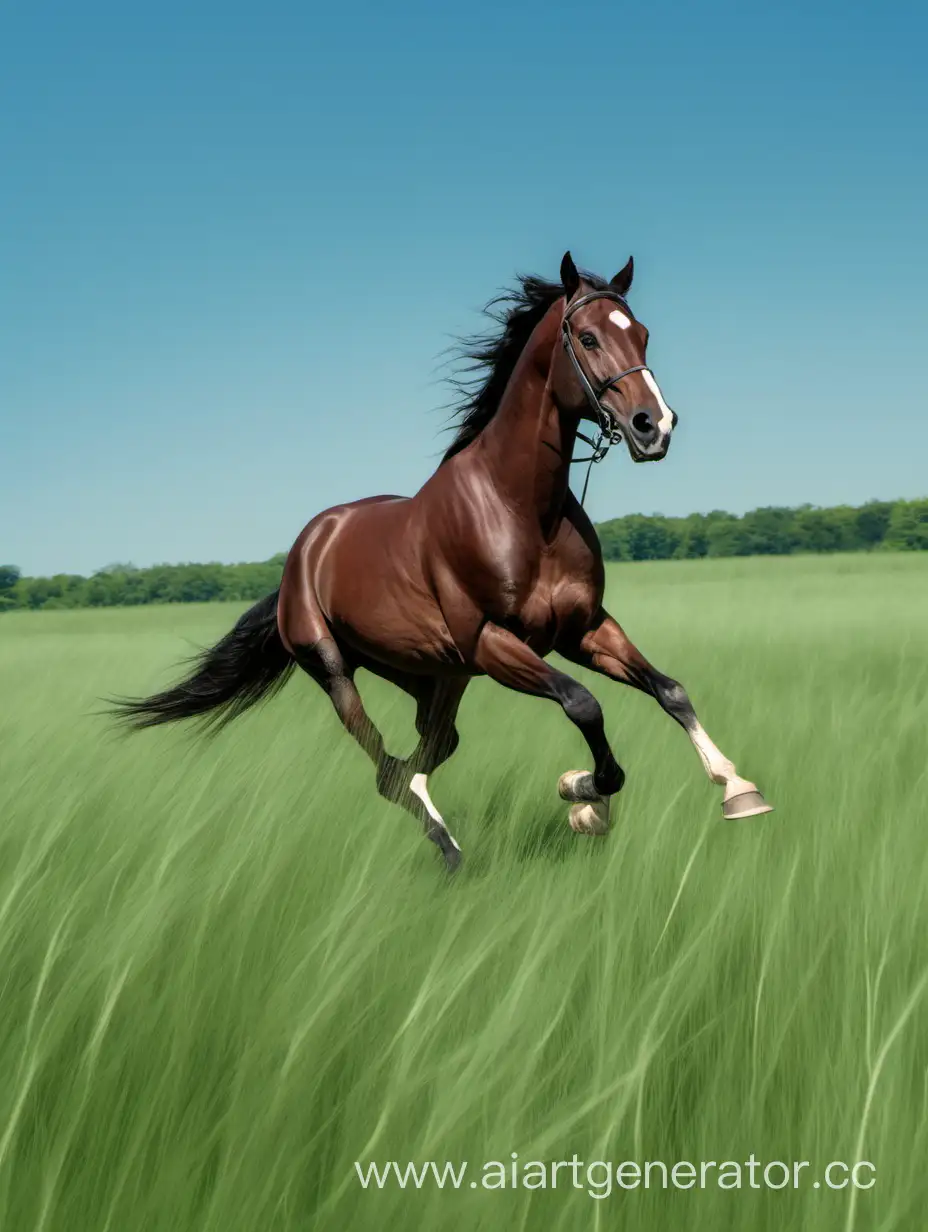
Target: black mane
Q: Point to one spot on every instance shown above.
(488, 359)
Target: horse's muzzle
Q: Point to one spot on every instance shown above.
(647, 439)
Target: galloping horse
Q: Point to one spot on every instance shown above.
(492, 565)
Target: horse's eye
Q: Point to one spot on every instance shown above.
(588, 340)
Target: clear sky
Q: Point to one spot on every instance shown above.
(235, 239)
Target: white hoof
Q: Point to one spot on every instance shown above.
(742, 799)
(590, 818)
(577, 787)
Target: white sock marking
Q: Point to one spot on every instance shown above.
(718, 767)
(666, 419)
(419, 785)
(619, 318)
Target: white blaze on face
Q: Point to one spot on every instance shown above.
(666, 420)
(619, 318)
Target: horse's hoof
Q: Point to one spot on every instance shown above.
(590, 818)
(745, 804)
(577, 787)
(446, 845)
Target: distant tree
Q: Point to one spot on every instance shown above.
(827, 530)
(769, 531)
(639, 537)
(9, 577)
(650, 538)
(611, 539)
(692, 537)
(726, 537)
(873, 522)
(908, 527)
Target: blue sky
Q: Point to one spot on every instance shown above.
(235, 240)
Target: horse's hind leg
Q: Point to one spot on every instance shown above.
(324, 661)
(437, 708)
(406, 782)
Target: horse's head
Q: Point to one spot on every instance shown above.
(601, 371)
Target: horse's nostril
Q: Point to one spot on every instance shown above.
(642, 423)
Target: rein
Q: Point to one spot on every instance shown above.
(609, 433)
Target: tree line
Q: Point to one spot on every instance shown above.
(770, 531)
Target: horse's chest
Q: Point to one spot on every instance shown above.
(552, 607)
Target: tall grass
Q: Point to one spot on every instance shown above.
(229, 970)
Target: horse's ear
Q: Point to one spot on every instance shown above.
(570, 279)
(623, 279)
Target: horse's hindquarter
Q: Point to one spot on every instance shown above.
(360, 566)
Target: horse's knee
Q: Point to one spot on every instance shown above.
(675, 700)
(580, 706)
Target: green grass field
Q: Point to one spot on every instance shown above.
(229, 970)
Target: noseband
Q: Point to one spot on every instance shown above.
(609, 431)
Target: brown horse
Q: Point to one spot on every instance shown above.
(492, 565)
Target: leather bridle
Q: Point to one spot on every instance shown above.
(610, 433)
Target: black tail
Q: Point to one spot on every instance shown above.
(248, 664)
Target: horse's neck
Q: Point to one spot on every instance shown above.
(529, 442)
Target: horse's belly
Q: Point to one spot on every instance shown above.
(414, 641)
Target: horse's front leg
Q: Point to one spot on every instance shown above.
(510, 662)
(605, 648)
